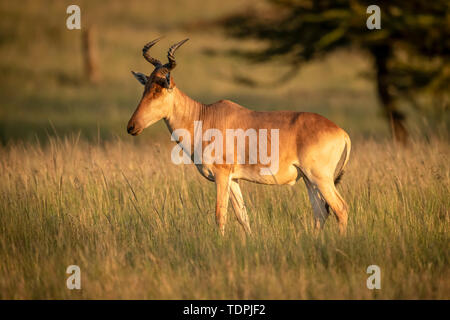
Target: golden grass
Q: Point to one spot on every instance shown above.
(140, 227)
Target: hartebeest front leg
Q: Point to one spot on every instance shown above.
(223, 196)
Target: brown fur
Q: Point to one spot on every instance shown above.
(310, 146)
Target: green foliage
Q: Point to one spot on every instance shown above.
(414, 34)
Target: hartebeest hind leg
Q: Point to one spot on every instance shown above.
(335, 201)
(320, 176)
(239, 207)
(322, 193)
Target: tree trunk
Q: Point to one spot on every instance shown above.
(90, 55)
(395, 117)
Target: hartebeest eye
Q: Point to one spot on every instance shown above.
(142, 78)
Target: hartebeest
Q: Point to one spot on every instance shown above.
(310, 146)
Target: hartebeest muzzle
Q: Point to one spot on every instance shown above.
(134, 128)
(131, 130)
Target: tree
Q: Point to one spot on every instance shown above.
(410, 51)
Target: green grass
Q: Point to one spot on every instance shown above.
(75, 189)
(141, 227)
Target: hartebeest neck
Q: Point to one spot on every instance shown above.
(184, 112)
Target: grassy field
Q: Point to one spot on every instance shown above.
(139, 227)
(76, 189)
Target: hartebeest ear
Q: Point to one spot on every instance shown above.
(142, 78)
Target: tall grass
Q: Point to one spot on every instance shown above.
(140, 227)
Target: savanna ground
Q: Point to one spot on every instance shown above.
(75, 189)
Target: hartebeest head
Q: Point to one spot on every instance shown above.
(157, 100)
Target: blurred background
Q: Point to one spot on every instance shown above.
(265, 55)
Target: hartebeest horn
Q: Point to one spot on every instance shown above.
(147, 57)
(172, 63)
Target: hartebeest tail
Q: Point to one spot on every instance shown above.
(342, 163)
(302, 145)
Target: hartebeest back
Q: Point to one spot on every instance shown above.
(309, 146)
